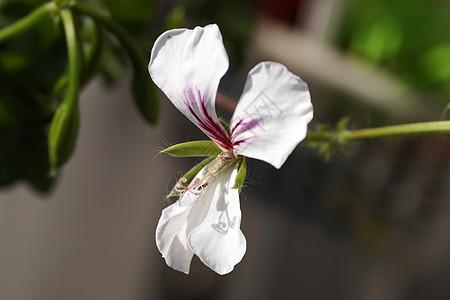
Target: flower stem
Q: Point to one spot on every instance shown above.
(144, 93)
(425, 128)
(64, 127)
(413, 129)
(74, 58)
(126, 40)
(27, 22)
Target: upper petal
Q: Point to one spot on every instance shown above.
(187, 66)
(272, 115)
(218, 240)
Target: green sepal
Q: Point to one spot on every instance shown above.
(145, 96)
(196, 148)
(62, 135)
(336, 142)
(191, 174)
(342, 124)
(240, 177)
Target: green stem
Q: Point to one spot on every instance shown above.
(74, 58)
(425, 128)
(94, 51)
(130, 45)
(144, 93)
(27, 22)
(314, 136)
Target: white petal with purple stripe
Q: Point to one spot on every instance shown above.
(272, 115)
(187, 66)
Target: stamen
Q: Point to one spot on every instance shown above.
(223, 161)
(226, 156)
(182, 189)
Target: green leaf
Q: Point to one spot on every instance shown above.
(192, 173)
(240, 177)
(145, 96)
(62, 135)
(197, 148)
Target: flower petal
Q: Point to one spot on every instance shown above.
(175, 224)
(180, 218)
(171, 234)
(272, 115)
(218, 241)
(187, 66)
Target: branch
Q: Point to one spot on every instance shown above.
(413, 129)
(27, 22)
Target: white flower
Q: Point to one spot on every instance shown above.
(270, 120)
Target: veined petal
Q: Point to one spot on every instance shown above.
(218, 240)
(272, 115)
(187, 66)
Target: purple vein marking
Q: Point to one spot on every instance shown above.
(197, 107)
(237, 143)
(242, 126)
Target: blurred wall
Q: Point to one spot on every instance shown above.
(93, 236)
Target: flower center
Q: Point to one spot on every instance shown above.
(223, 162)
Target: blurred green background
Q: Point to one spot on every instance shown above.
(370, 224)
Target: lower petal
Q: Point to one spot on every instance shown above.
(180, 218)
(218, 240)
(171, 236)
